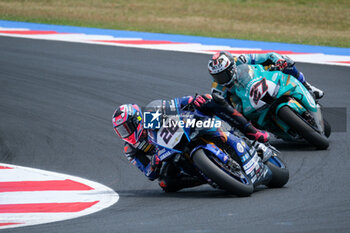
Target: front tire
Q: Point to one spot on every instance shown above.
(280, 173)
(220, 177)
(327, 128)
(302, 128)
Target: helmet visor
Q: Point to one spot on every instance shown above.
(223, 77)
(125, 130)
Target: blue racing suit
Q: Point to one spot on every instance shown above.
(144, 153)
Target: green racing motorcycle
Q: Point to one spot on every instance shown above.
(280, 104)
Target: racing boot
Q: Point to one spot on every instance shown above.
(172, 179)
(317, 93)
(255, 134)
(174, 184)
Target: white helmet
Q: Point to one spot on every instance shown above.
(222, 67)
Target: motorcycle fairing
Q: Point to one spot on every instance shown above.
(260, 91)
(251, 162)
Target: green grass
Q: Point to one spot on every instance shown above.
(316, 22)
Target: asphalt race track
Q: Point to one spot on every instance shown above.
(56, 103)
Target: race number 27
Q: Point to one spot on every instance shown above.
(258, 90)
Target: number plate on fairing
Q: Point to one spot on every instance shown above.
(258, 90)
(170, 134)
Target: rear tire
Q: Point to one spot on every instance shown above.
(302, 128)
(220, 177)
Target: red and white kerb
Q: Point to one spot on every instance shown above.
(32, 196)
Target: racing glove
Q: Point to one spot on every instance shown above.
(156, 163)
(203, 104)
(202, 100)
(281, 64)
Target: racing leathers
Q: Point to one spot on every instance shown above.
(171, 179)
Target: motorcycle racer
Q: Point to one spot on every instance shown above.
(139, 150)
(223, 67)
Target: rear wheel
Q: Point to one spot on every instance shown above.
(236, 182)
(296, 123)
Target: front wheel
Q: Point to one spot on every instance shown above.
(302, 128)
(280, 172)
(235, 182)
(327, 128)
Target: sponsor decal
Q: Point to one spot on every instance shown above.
(164, 153)
(248, 165)
(251, 169)
(245, 157)
(253, 179)
(240, 148)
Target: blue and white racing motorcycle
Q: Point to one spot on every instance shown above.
(200, 147)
